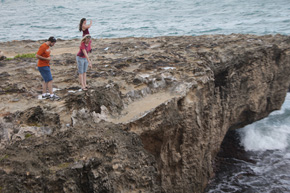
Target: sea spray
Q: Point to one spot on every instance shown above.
(271, 133)
(264, 164)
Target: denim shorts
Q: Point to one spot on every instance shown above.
(45, 73)
(82, 65)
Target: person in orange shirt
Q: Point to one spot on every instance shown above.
(43, 56)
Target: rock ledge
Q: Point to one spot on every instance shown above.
(152, 121)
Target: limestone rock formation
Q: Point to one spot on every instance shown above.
(152, 121)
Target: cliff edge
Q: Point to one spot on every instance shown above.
(153, 119)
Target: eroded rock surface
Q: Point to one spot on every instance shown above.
(152, 121)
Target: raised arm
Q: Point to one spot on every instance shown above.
(87, 26)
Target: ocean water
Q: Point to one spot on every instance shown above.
(264, 166)
(38, 19)
(266, 143)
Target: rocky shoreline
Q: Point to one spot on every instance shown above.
(153, 120)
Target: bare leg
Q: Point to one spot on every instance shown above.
(82, 80)
(49, 85)
(44, 87)
(85, 79)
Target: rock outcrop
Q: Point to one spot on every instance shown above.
(152, 121)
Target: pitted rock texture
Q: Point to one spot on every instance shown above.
(103, 158)
(153, 120)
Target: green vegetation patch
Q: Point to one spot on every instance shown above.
(31, 55)
(27, 135)
(4, 157)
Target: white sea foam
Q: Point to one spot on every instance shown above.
(267, 143)
(287, 156)
(260, 139)
(271, 133)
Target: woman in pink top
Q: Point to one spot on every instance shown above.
(84, 61)
(84, 27)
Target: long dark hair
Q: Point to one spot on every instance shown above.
(81, 24)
